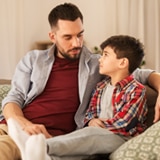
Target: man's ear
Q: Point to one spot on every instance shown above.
(52, 36)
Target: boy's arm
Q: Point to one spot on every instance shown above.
(154, 82)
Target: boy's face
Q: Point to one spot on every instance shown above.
(108, 63)
(68, 37)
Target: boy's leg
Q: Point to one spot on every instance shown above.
(18, 135)
(80, 157)
(76, 145)
(40, 152)
(36, 148)
(86, 141)
(8, 148)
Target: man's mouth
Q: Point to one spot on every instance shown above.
(75, 50)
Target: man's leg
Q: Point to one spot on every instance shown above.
(8, 149)
(86, 141)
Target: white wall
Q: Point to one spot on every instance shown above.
(24, 22)
(37, 27)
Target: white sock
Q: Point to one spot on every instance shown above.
(36, 148)
(18, 135)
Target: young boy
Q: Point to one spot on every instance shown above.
(116, 112)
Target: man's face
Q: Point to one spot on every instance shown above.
(68, 37)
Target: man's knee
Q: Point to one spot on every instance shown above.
(8, 149)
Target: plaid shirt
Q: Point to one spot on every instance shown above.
(128, 104)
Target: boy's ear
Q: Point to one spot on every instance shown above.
(124, 63)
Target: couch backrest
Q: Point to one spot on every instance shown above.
(151, 98)
(151, 101)
(5, 81)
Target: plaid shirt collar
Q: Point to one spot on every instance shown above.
(121, 84)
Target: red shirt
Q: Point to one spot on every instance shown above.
(55, 107)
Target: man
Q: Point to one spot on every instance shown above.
(51, 89)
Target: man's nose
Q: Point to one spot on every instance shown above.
(76, 42)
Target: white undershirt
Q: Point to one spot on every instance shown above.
(106, 102)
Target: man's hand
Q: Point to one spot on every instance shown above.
(36, 129)
(157, 110)
(97, 122)
(12, 110)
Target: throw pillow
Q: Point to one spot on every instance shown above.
(143, 147)
(4, 89)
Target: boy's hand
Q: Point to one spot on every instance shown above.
(96, 122)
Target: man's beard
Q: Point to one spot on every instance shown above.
(68, 56)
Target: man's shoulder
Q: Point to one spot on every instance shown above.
(38, 54)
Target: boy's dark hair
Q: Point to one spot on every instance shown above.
(128, 47)
(66, 11)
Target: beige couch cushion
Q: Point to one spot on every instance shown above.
(4, 91)
(4, 88)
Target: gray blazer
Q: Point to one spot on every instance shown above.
(33, 71)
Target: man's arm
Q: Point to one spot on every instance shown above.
(154, 81)
(12, 110)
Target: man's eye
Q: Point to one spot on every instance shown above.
(67, 38)
(80, 35)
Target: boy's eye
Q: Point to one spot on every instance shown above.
(104, 54)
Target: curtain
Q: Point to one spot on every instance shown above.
(153, 33)
(141, 18)
(102, 18)
(11, 40)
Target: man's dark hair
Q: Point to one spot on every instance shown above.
(128, 47)
(66, 11)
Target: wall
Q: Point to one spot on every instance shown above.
(24, 22)
(37, 27)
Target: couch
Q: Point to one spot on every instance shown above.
(4, 88)
(151, 100)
